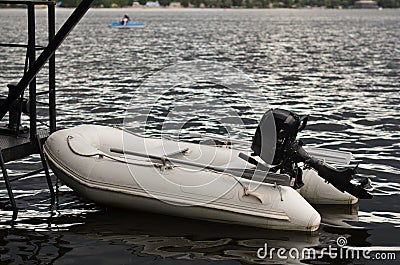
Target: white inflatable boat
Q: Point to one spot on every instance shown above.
(114, 167)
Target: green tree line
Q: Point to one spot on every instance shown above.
(238, 3)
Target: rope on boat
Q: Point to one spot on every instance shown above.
(101, 154)
(279, 190)
(246, 190)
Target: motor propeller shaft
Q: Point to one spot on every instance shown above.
(340, 179)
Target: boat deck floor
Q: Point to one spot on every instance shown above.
(17, 147)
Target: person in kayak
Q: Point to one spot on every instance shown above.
(125, 20)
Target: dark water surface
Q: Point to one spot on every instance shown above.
(340, 67)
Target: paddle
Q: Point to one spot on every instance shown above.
(221, 139)
(267, 177)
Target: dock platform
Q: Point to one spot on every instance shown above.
(14, 148)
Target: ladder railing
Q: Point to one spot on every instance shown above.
(15, 104)
(36, 65)
(16, 108)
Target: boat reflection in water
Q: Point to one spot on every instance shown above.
(74, 227)
(338, 215)
(181, 238)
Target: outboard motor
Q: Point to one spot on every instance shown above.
(289, 152)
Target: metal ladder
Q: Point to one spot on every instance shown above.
(17, 146)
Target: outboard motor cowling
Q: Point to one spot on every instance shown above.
(289, 152)
(287, 125)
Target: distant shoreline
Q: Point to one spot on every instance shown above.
(212, 8)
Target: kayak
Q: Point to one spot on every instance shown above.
(129, 24)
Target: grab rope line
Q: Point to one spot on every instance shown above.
(246, 190)
(101, 154)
